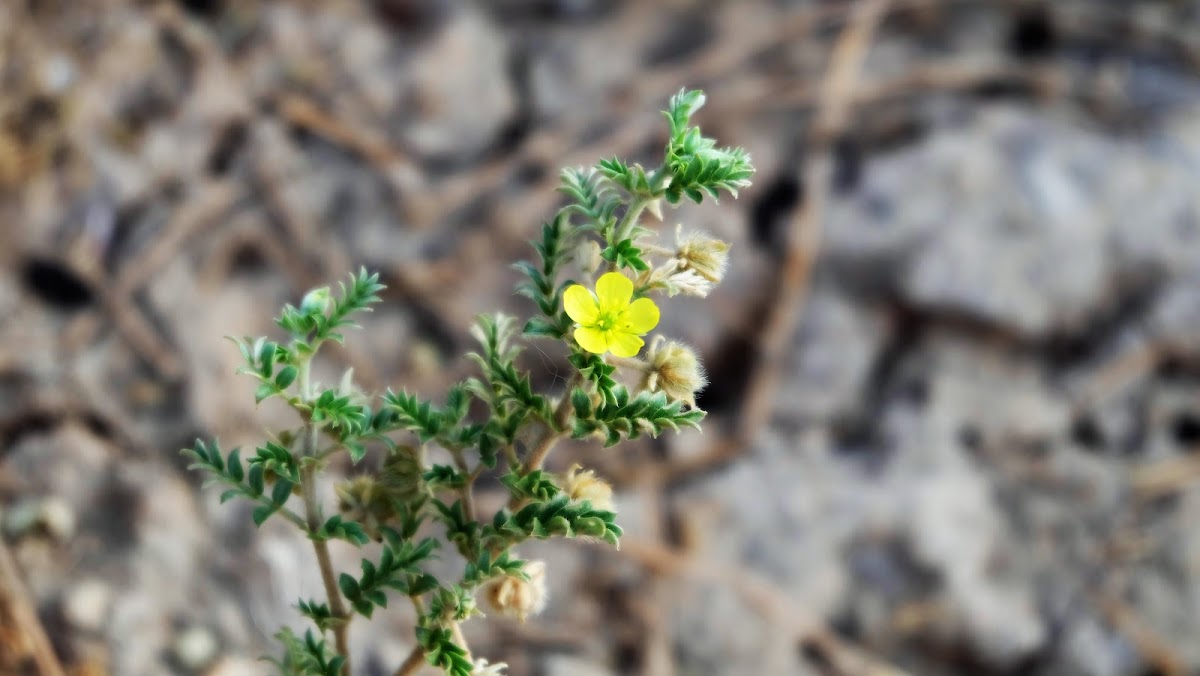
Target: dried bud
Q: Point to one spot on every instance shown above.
(364, 500)
(674, 369)
(702, 254)
(517, 597)
(589, 256)
(585, 485)
(400, 477)
(689, 283)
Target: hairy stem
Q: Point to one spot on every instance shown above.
(312, 515)
(632, 215)
(468, 495)
(538, 457)
(461, 640)
(554, 432)
(413, 663)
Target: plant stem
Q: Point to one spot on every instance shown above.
(461, 640)
(468, 496)
(321, 547)
(555, 431)
(413, 664)
(553, 434)
(631, 217)
(538, 456)
(14, 598)
(312, 515)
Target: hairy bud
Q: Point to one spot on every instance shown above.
(515, 596)
(702, 254)
(585, 485)
(674, 369)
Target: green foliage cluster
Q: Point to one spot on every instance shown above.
(496, 426)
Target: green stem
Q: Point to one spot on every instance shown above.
(468, 496)
(632, 215)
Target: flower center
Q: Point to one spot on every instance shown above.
(607, 321)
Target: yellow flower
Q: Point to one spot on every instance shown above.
(607, 320)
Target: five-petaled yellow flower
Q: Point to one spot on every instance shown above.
(607, 320)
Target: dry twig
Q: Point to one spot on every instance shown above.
(15, 598)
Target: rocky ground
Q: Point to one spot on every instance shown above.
(981, 457)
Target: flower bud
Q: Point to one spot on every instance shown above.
(514, 596)
(315, 302)
(589, 256)
(674, 369)
(585, 485)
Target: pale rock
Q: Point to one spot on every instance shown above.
(87, 604)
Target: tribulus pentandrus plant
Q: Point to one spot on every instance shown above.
(594, 281)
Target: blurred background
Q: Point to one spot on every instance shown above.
(955, 400)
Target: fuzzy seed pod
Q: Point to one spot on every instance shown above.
(674, 369)
(513, 596)
(702, 254)
(482, 668)
(585, 485)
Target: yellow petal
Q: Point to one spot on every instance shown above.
(640, 317)
(580, 305)
(625, 344)
(592, 340)
(614, 290)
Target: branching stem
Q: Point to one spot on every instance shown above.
(555, 431)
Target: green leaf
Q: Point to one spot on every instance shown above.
(536, 485)
(356, 450)
(443, 476)
(281, 492)
(539, 327)
(625, 255)
(348, 585)
(262, 513)
(581, 401)
(263, 392)
(235, 465)
(286, 376)
(254, 480)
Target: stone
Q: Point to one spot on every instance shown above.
(566, 665)
(195, 648)
(87, 604)
(460, 92)
(836, 345)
